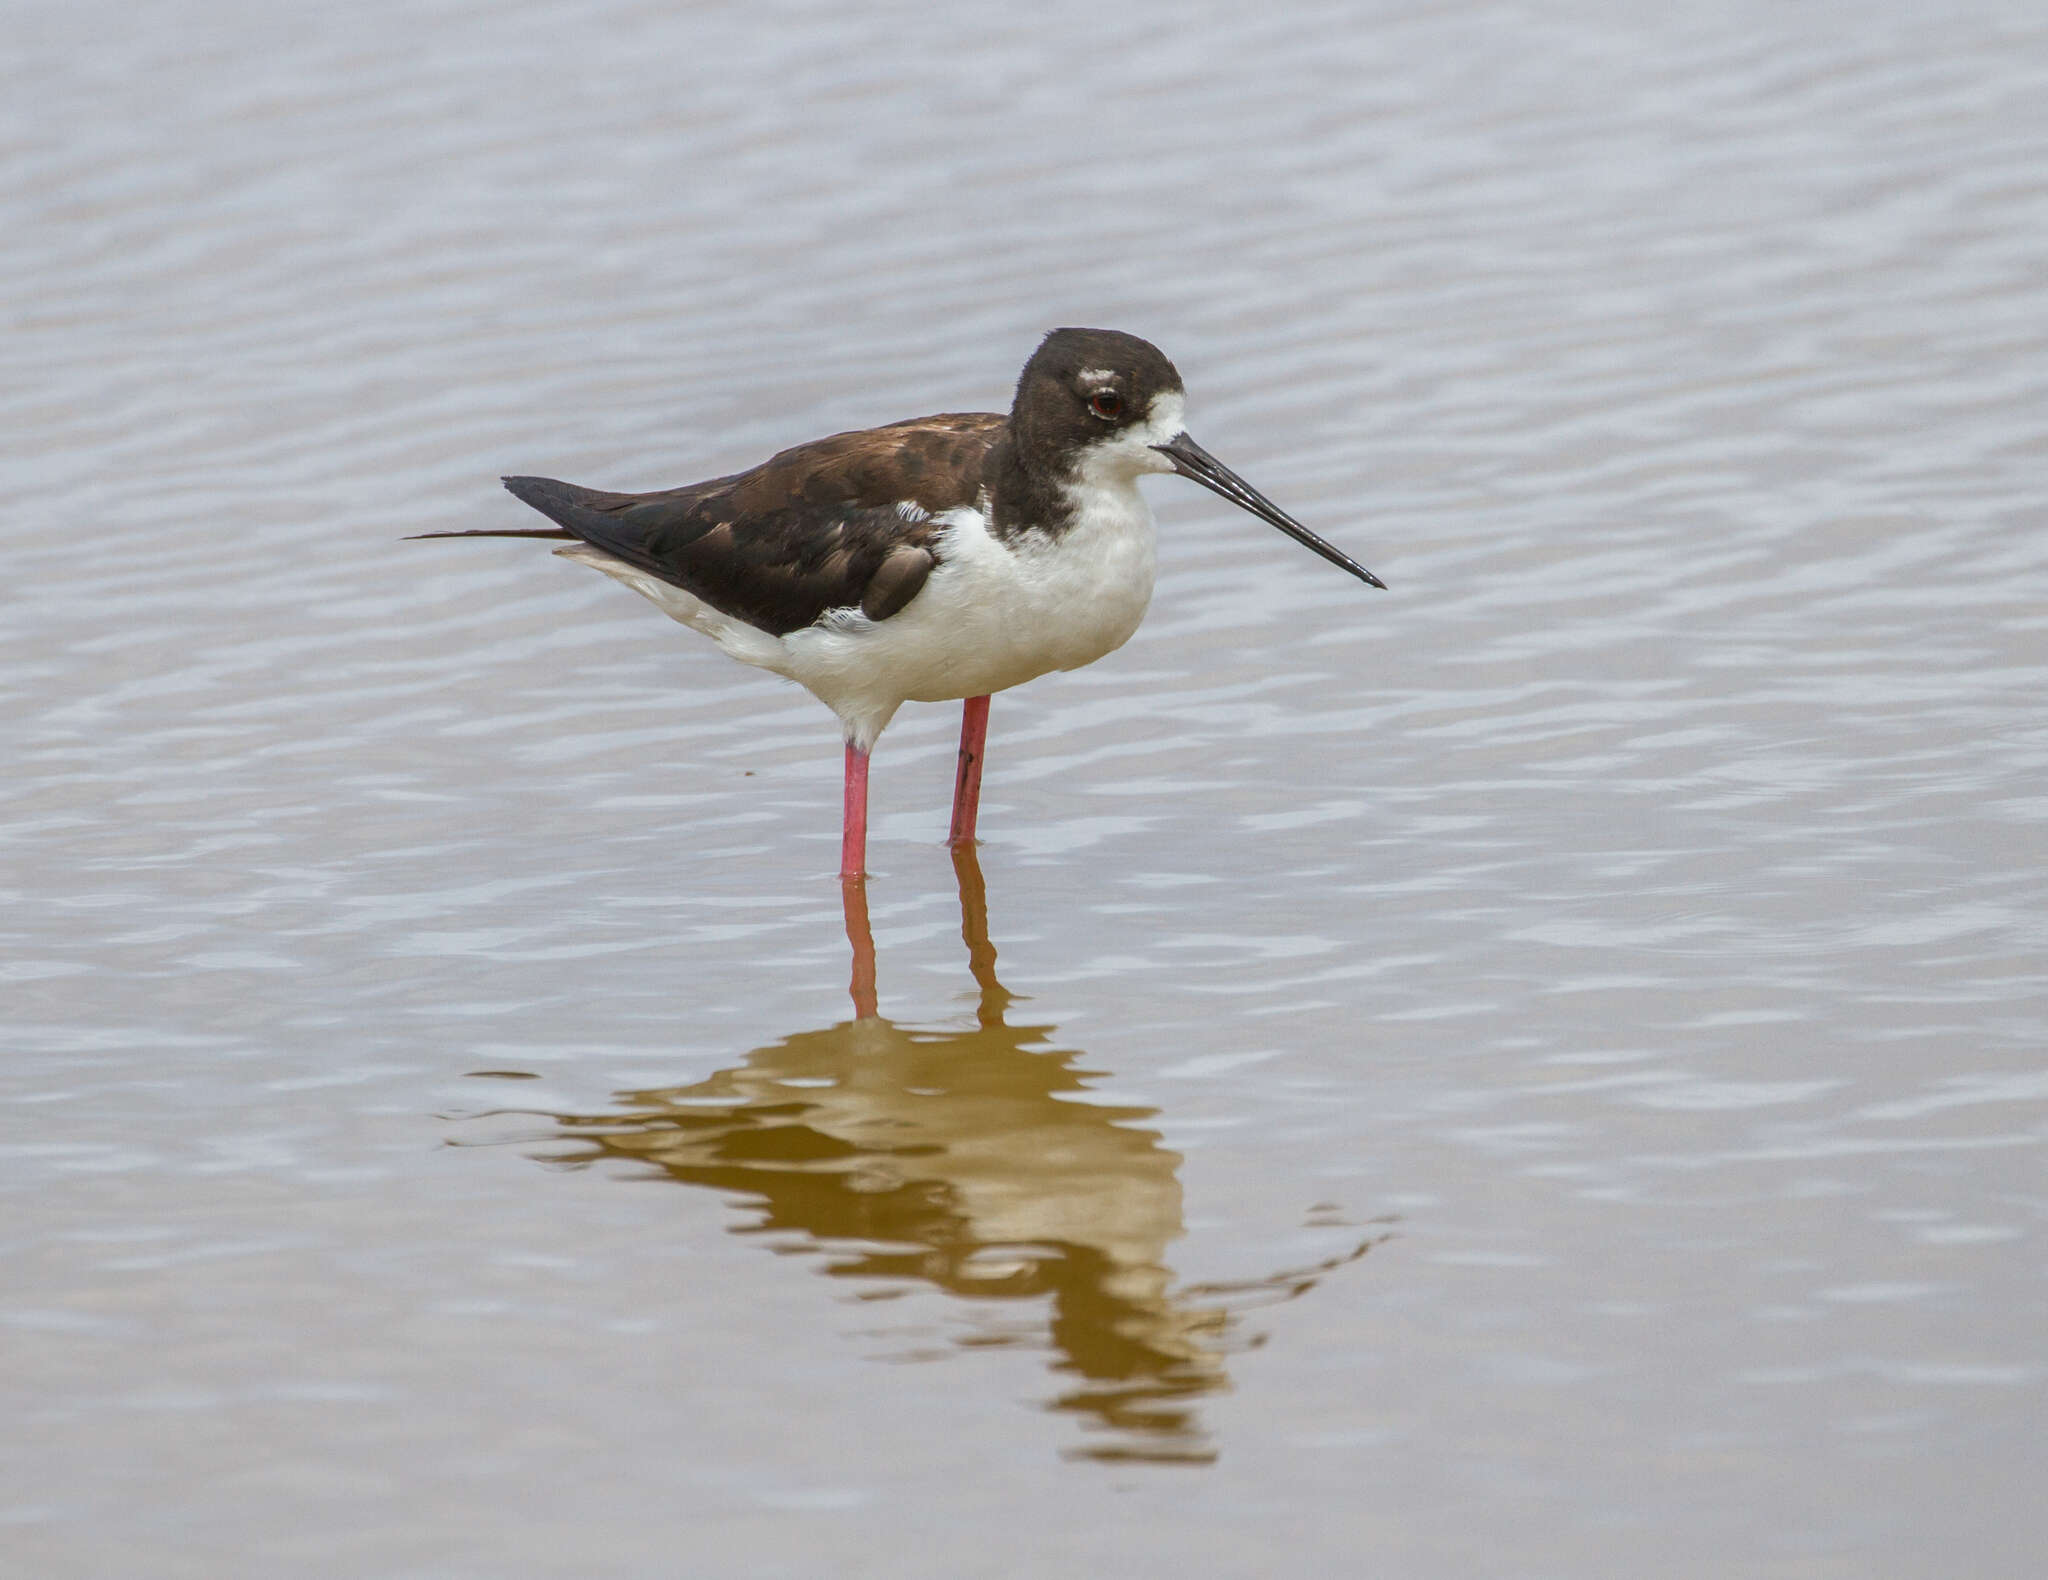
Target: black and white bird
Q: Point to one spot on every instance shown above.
(935, 559)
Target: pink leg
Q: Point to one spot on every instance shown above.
(853, 840)
(967, 781)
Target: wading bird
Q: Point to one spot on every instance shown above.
(935, 559)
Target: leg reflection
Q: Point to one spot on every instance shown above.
(981, 954)
(860, 940)
(917, 1158)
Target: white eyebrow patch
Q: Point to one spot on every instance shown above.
(1095, 375)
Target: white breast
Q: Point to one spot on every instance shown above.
(992, 616)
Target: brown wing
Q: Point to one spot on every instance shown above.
(814, 528)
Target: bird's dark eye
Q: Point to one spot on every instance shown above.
(1106, 404)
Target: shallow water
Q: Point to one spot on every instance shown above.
(1539, 1072)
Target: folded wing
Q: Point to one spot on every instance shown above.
(839, 523)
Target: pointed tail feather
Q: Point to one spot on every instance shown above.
(494, 532)
(558, 501)
(587, 513)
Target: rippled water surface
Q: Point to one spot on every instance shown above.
(1537, 1072)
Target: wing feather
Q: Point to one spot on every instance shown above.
(815, 528)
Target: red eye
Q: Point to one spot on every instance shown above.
(1107, 404)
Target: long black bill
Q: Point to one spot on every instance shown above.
(1191, 460)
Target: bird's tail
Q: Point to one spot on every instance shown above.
(564, 502)
(494, 532)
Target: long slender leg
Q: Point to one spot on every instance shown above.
(853, 839)
(967, 781)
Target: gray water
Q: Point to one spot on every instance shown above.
(1538, 1072)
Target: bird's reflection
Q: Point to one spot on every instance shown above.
(970, 1161)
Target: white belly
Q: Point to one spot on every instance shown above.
(990, 617)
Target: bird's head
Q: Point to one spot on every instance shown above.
(1098, 407)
